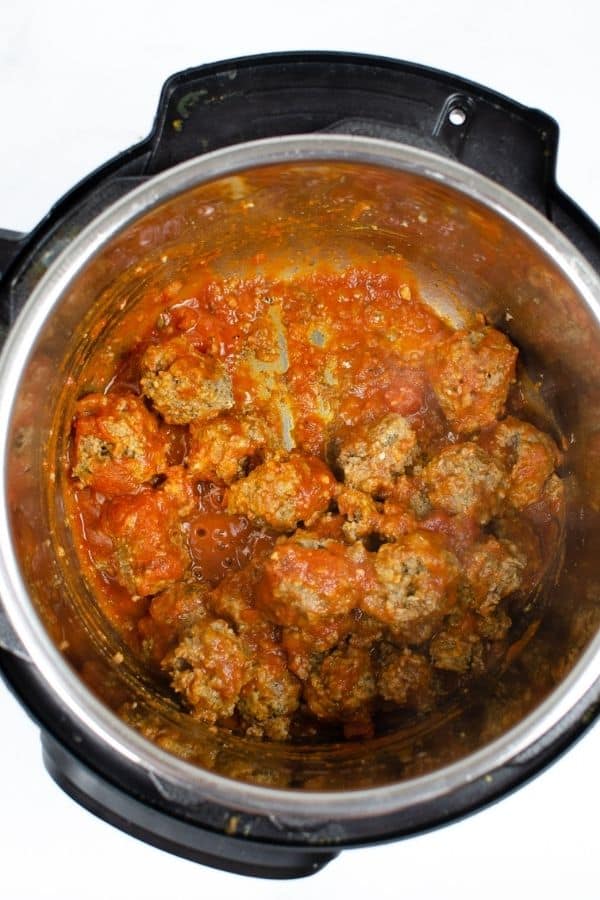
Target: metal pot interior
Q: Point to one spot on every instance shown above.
(467, 258)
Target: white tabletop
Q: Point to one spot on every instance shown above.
(80, 82)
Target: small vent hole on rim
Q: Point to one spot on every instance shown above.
(457, 116)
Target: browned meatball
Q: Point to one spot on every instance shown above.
(529, 455)
(471, 374)
(342, 688)
(493, 569)
(329, 526)
(183, 384)
(365, 516)
(117, 443)
(181, 489)
(233, 598)
(304, 646)
(362, 513)
(170, 614)
(515, 532)
(305, 586)
(416, 585)
(179, 605)
(223, 449)
(494, 626)
(397, 520)
(455, 647)
(270, 696)
(148, 548)
(281, 493)
(405, 678)
(554, 497)
(465, 480)
(209, 668)
(374, 455)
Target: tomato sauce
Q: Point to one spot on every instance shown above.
(332, 402)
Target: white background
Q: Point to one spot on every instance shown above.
(79, 81)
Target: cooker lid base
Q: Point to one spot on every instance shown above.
(218, 850)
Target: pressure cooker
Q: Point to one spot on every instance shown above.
(514, 247)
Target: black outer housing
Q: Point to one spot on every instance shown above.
(200, 110)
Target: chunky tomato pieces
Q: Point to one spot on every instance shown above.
(303, 500)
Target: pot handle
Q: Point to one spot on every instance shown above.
(9, 640)
(224, 850)
(576, 225)
(10, 244)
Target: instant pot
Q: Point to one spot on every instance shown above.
(464, 187)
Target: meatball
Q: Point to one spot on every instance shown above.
(148, 549)
(179, 605)
(396, 521)
(183, 384)
(493, 569)
(223, 449)
(366, 518)
(329, 526)
(416, 585)
(465, 480)
(455, 648)
(342, 688)
(361, 511)
(180, 488)
(514, 531)
(209, 668)
(554, 496)
(405, 678)
(304, 586)
(170, 614)
(282, 493)
(234, 598)
(117, 443)
(270, 696)
(409, 495)
(494, 626)
(471, 374)
(304, 646)
(374, 455)
(529, 455)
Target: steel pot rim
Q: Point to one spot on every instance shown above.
(166, 769)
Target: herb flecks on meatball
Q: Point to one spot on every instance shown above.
(170, 615)
(453, 648)
(117, 443)
(363, 514)
(342, 687)
(184, 384)
(465, 480)
(148, 551)
(494, 569)
(405, 678)
(416, 578)
(209, 667)
(374, 455)
(471, 375)
(283, 493)
(223, 449)
(271, 695)
(303, 586)
(529, 455)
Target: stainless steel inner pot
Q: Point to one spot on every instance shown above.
(474, 247)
